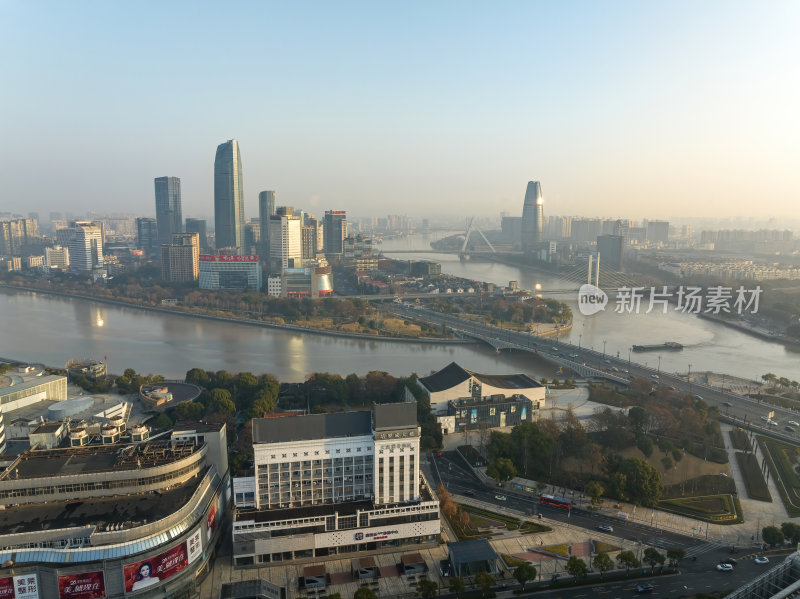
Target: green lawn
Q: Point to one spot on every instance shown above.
(753, 479)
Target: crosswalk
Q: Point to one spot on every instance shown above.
(700, 549)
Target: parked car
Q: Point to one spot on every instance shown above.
(762, 559)
(724, 568)
(500, 497)
(644, 588)
(605, 528)
(700, 397)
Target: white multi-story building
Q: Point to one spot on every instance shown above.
(274, 285)
(86, 247)
(57, 257)
(229, 272)
(328, 484)
(285, 241)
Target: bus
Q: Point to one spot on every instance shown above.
(555, 501)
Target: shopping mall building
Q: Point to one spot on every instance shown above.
(128, 519)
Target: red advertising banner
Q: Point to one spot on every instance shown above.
(149, 572)
(227, 258)
(7, 588)
(23, 586)
(87, 585)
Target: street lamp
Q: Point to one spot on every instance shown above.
(604, 348)
(629, 358)
(579, 340)
(659, 366)
(689, 376)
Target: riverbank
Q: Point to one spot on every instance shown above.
(178, 311)
(788, 343)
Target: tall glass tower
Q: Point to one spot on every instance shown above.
(532, 216)
(266, 208)
(168, 208)
(228, 196)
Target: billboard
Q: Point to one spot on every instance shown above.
(227, 258)
(211, 518)
(151, 571)
(195, 546)
(24, 586)
(86, 585)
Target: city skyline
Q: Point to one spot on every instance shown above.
(615, 107)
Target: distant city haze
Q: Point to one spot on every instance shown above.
(635, 109)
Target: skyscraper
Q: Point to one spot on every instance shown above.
(147, 233)
(532, 216)
(335, 230)
(198, 225)
(266, 208)
(286, 240)
(228, 196)
(168, 208)
(179, 259)
(86, 247)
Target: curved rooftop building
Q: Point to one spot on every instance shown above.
(532, 216)
(228, 196)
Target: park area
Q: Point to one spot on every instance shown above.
(783, 460)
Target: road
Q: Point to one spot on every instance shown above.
(739, 407)
(698, 570)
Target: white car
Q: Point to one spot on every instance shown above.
(724, 567)
(653, 376)
(500, 497)
(772, 423)
(765, 419)
(793, 423)
(761, 560)
(605, 528)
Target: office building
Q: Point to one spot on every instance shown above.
(285, 239)
(309, 242)
(57, 257)
(180, 259)
(228, 196)
(252, 237)
(157, 512)
(333, 484)
(266, 208)
(168, 208)
(335, 231)
(532, 216)
(147, 233)
(198, 225)
(357, 253)
(229, 272)
(86, 247)
(610, 250)
(511, 226)
(658, 231)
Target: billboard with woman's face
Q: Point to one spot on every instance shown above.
(151, 571)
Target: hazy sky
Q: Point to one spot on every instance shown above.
(619, 108)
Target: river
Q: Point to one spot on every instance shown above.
(51, 330)
(707, 345)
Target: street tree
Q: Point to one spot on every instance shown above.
(457, 585)
(627, 559)
(675, 555)
(772, 535)
(427, 588)
(365, 593)
(791, 531)
(603, 563)
(653, 557)
(576, 566)
(523, 573)
(595, 490)
(485, 582)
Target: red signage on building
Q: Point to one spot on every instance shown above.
(7, 588)
(149, 572)
(226, 258)
(88, 585)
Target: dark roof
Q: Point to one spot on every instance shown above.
(411, 558)
(466, 552)
(395, 415)
(448, 377)
(453, 374)
(54, 515)
(318, 570)
(313, 426)
(364, 562)
(47, 427)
